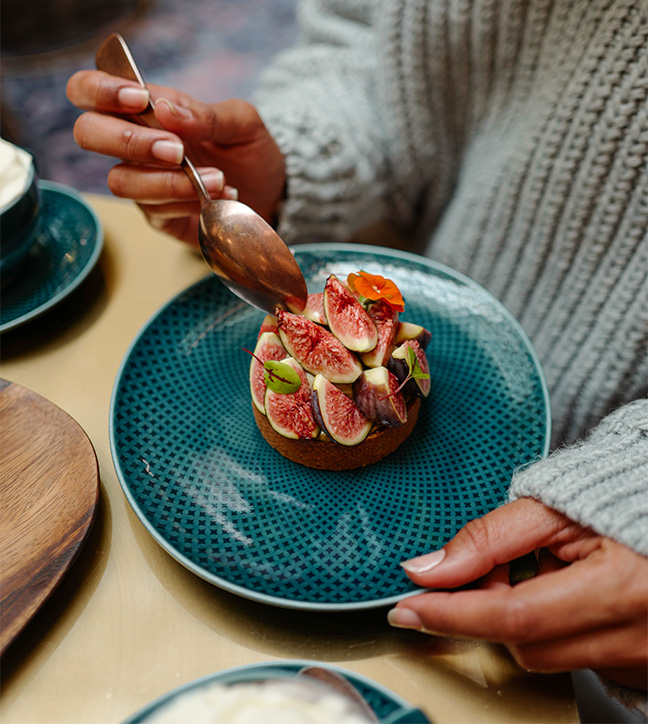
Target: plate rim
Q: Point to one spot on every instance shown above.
(56, 188)
(260, 597)
(87, 488)
(279, 664)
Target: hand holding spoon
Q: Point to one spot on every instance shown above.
(238, 245)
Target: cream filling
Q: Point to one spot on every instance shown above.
(15, 165)
(277, 702)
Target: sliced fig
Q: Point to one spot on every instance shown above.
(375, 394)
(316, 349)
(269, 324)
(347, 318)
(386, 320)
(338, 415)
(350, 286)
(315, 308)
(268, 347)
(408, 330)
(398, 365)
(291, 415)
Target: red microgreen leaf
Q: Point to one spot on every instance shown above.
(278, 376)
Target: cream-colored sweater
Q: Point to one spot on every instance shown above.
(510, 141)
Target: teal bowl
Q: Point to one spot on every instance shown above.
(19, 227)
(387, 706)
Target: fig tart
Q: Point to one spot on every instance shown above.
(340, 385)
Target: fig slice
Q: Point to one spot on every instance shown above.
(409, 330)
(347, 318)
(269, 324)
(385, 318)
(337, 414)
(398, 365)
(315, 308)
(316, 349)
(375, 393)
(268, 347)
(291, 414)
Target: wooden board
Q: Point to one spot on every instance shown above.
(49, 488)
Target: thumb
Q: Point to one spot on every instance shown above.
(181, 117)
(499, 537)
(228, 122)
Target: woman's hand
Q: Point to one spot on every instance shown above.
(227, 141)
(586, 608)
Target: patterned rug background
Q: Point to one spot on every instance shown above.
(212, 49)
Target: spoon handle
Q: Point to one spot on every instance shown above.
(114, 57)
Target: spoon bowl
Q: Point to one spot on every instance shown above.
(239, 246)
(342, 686)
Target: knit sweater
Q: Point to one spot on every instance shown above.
(508, 140)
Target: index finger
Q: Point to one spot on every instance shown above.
(99, 91)
(551, 606)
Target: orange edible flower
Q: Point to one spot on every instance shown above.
(375, 287)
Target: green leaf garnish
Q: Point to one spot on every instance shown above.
(414, 371)
(414, 367)
(278, 376)
(281, 377)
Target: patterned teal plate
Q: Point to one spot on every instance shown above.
(68, 247)
(383, 702)
(231, 509)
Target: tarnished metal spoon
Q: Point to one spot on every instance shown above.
(342, 686)
(237, 244)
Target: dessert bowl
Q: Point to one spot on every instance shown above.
(279, 691)
(19, 210)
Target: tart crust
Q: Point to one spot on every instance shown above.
(325, 454)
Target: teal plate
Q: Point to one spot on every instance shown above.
(383, 702)
(214, 495)
(68, 246)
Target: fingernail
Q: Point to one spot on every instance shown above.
(157, 222)
(177, 111)
(229, 192)
(169, 151)
(404, 618)
(425, 563)
(133, 97)
(213, 179)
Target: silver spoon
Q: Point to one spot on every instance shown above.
(330, 678)
(343, 687)
(238, 245)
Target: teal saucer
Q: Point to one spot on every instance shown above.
(216, 497)
(69, 243)
(383, 702)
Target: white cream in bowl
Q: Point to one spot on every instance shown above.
(15, 172)
(262, 702)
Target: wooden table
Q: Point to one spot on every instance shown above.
(128, 622)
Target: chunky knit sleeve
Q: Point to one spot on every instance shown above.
(601, 482)
(317, 100)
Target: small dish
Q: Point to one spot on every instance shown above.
(384, 703)
(209, 489)
(68, 245)
(19, 216)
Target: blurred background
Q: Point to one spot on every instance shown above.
(212, 49)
